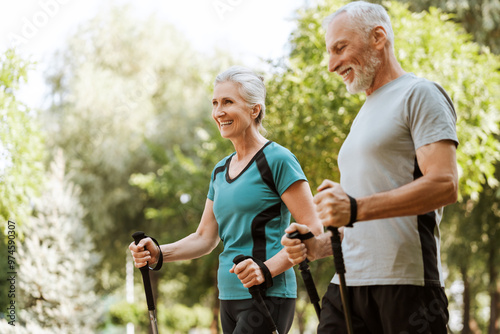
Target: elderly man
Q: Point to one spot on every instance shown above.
(397, 172)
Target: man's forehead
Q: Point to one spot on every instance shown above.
(338, 29)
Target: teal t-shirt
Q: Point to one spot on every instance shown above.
(251, 216)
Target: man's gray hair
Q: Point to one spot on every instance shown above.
(251, 87)
(366, 16)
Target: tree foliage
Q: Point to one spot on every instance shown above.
(21, 143)
(21, 156)
(480, 18)
(55, 282)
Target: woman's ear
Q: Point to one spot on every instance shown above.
(256, 111)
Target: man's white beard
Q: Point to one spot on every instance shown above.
(363, 76)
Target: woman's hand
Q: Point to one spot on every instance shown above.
(248, 272)
(146, 252)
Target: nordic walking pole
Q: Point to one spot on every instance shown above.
(257, 297)
(306, 274)
(338, 260)
(138, 236)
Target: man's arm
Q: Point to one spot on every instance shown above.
(436, 188)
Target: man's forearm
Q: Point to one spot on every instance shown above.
(323, 247)
(417, 197)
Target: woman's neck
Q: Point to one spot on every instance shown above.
(246, 146)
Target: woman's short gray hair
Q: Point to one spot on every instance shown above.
(251, 87)
(366, 16)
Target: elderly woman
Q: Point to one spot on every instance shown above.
(251, 195)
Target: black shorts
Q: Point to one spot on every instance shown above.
(388, 309)
(242, 316)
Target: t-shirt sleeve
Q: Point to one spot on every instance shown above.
(286, 170)
(217, 169)
(211, 191)
(431, 115)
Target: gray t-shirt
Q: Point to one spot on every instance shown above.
(379, 155)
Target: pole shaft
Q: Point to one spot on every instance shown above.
(152, 320)
(338, 260)
(138, 236)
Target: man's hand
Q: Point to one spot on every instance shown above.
(248, 272)
(297, 250)
(333, 204)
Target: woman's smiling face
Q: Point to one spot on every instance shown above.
(230, 111)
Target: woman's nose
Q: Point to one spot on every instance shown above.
(219, 111)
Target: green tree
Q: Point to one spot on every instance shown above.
(21, 156)
(480, 18)
(122, 85)
(472, 251)
(310, 110)
(55, 282)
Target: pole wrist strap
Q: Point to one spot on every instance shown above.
(354, 211)
(160, 259)
(268, 278)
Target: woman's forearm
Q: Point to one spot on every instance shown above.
(279, 263)
(191, 247)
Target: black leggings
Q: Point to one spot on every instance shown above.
(243, 317)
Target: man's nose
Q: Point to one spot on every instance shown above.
(332, 63)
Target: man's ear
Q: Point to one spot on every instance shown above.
(379, 37)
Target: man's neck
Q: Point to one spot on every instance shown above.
(389, 70)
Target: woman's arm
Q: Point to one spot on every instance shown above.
(298, 199)
(195, 245)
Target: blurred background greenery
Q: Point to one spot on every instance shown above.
(126, 143)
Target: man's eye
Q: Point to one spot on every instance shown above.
(227, 102)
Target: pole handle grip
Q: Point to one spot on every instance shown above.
(257, 297)
(138, 236)
(254, 290)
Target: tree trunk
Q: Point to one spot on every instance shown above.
(214, 326)
(494, 288)
(466, 302)
(300, 320)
